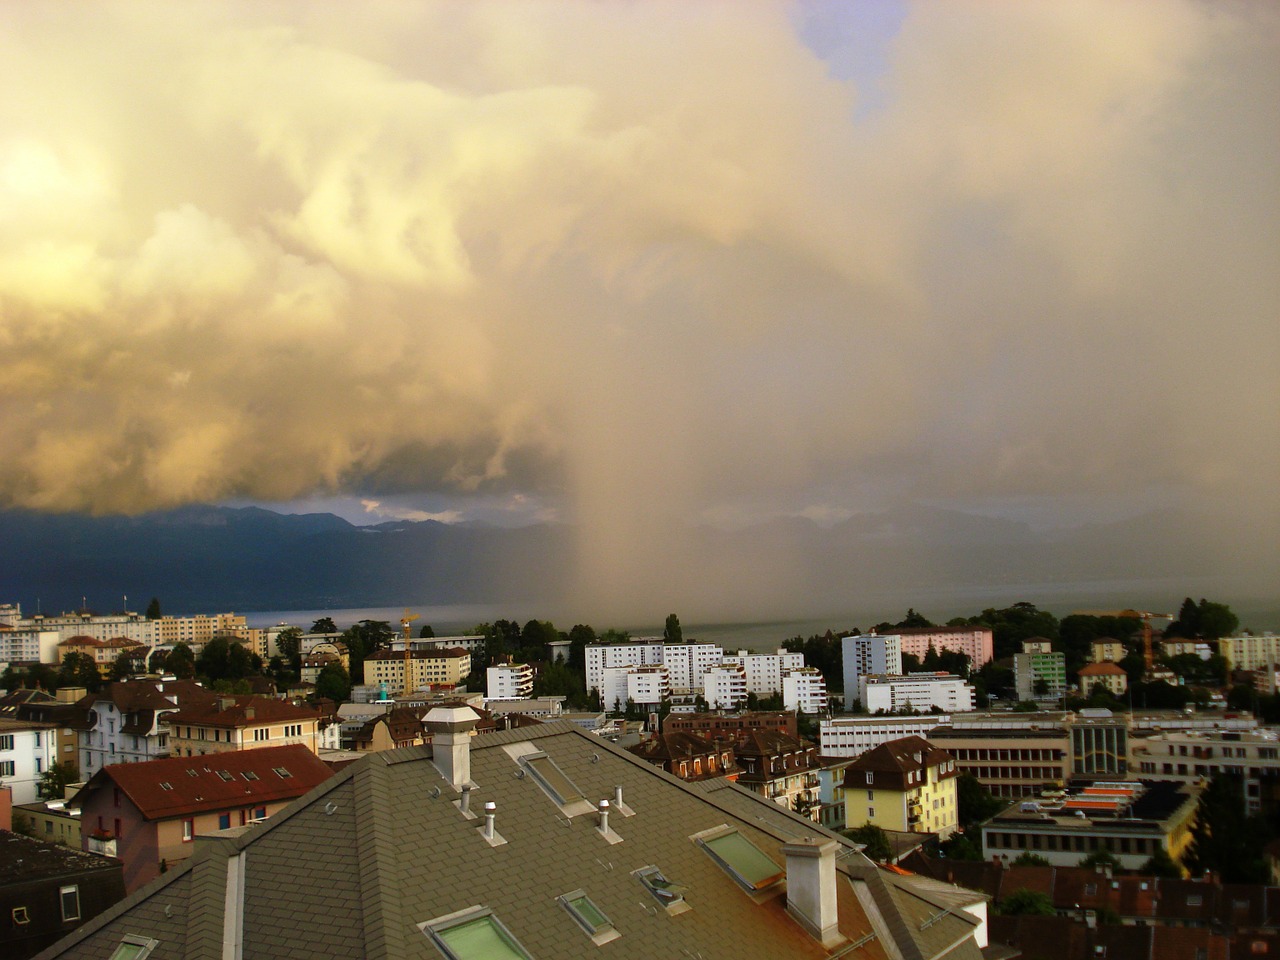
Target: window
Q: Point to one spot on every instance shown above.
(20, 915)
(282, 773)
(133, 948)
(249, 775)
(664, 891)
(590, 917)
(166, 785)
(188, 830)
(6, 768)
(259, 813)
(742, 859)
(553, 780)
(871, 778)
(228, 777)
(473, 934)
(224, 821)
(70, 898)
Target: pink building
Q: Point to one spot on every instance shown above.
(973, 642)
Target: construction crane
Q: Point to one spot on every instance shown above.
(406, 619)
(1145, 616)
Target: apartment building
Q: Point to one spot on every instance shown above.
(805, 690)
(509, 681)
(855, 735)
(1038, 672)
(1105, 649)
(427, 668)
(868, 655)
(227, 724)
(28, 646)
(685, 663)
(102, 652)
(1106, 674)
(27, 749)
(725, 687)
(643, 686)
(781, 768)
(730, 725)
(1012, 755)
(1251, 651)
(906, 785)
(59, 710)
(919, 692)
(194, 631)
(1193, 756)
(765, 671)
(973, 641)
(124, 722)
(687, 756)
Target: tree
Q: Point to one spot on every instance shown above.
(1029, 859)
(1026, 903)
(224, 658)
(1102, 857)
(672, 633)
(54, 781)
(181, 662)
(874, 840)
(324, 625)
(1223, 839)
(79, 670)
(123, 667)
(960, 847)
(1160, 864)
(974, 802)
(289, 643)
(427, 632)
(334, 683)
(153, 609)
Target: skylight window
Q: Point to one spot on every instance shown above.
(742, 859)
(551, 778)
(590, 917)
(134, 948)
(249, 775)
(282, 773)
(670, 895)
(228, 777)
(166, 785)
(473, 934)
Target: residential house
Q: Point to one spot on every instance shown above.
(27, 749)
(780, 767)
(398, 727)
(149, 814)
(908, 785)
(59, 710)
(1106, 649)
(124, 722)
(688, 756)
(47, 890)
(313, 664)
(503, 845)
(103, 653)
(50, 821)
(227, 723)
(732, 724)
(1106, 674)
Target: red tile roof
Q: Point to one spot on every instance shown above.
(240, 711)
(182, 786)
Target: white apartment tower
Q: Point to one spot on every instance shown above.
(868, 654)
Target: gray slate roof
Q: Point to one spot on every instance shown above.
(354, 866)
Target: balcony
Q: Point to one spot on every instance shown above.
(103, 843)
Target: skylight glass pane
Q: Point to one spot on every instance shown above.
(588, 911)
(480, 939)
(128, 951)
(747, 861)
(551, 777)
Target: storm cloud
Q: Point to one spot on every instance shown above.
(652, 263)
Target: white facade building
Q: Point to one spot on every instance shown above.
(509, 681)
(685, 662)
(805, 690)
(854, 736)
(764, 671)
(865, 655)
(641, 685)
(916, 691)
(27, 750)
(725, 687)
(29, 646)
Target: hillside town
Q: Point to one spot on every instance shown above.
(1006, 785)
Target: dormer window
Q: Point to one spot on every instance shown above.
(871, 778)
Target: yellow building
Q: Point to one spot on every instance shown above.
(429, 668)
(907, 785)
(1108, 674)
(241, 723)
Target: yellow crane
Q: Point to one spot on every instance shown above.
(406, 619)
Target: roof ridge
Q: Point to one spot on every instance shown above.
(375, 852)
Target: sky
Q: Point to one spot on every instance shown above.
(634, 266)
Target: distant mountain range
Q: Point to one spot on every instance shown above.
(207, 558)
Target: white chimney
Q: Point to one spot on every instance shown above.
(450, 729)
(811, 887)
(604, 817)
(490, 815)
